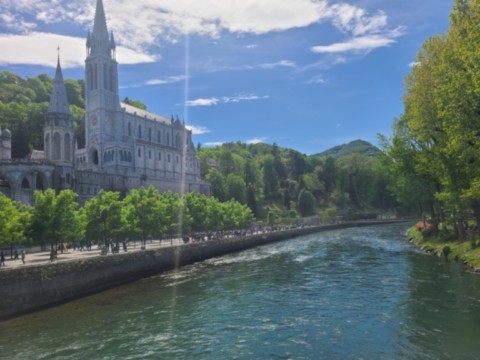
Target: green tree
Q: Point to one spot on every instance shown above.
(13, 222)
(104, 217)
(306, 203)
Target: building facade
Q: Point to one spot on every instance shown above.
(125, 148)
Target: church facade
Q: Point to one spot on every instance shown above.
(125, 147)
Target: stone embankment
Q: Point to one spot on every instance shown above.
(30, 288)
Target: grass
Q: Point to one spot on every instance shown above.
(467, 251)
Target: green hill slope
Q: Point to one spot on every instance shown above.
(355, 147)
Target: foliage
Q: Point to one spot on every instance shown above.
(433, 156)
(137, 103)
(13, 220)
(54, 218)
(261, 175)
(354, 147)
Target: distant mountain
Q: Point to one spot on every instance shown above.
(355, 147)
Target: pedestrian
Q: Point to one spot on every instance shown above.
(23, 256)
(2, 259)
(15, 255)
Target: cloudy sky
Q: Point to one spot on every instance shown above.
(305, 74)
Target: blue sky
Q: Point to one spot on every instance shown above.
(305, 74)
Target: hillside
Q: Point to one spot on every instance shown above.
(355, 147)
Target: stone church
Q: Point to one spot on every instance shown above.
(125, 148)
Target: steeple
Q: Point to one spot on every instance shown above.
(99, 40)
(100, 24)
(58, 97)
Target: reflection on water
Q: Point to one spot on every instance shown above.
(349, 294)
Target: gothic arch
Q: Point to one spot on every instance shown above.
(25, 183)
(47, 146)
(68, 147)
(94, 156)
(57, 146)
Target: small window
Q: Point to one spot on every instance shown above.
(159, 136)
(139, 152)
(149, 154)
(149, 134)
(168, 157)
(159, 156)
(129, 129)
(139, 131)
(177, 160)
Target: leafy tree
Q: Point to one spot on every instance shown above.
(306, 203)
(235, 188)
(104, 217)
(137, 103)
(13, 221)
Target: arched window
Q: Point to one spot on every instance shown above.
(139, 131)
(68, 148)
(129, 157)
(149, 134)
(56, 147)
(168, 139)
(95, 157)
(129, 129)
(159, 136)
(47, 146)
(25, 183)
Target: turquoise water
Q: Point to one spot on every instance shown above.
(362, 293)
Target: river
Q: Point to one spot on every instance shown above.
(360, 293)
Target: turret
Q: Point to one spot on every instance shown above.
(59, 134)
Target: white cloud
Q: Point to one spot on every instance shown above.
(214, 143)
(359, 44)
(268, 66)
(356, 21)
(225, 99)
(168, 80)
(198, 130)
(38, 48)
(203, 102)
(138, 25)
(317, 79)
(367, 32)
(252, 46)
(256, 140)
(244, 97)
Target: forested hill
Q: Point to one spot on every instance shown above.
(360, 147)
(277, 182)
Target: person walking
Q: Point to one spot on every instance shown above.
(23, 256)
(2, 259)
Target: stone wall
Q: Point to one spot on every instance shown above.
(27, 289)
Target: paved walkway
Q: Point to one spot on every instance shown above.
(42, 258)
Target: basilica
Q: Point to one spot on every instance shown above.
(126, 147)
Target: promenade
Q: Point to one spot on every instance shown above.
(43, 257)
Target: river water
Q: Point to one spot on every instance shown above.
(361, 293)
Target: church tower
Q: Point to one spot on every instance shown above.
(59, 133)
(101, 89)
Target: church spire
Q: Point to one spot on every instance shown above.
(58, 97)
(100, 30)
(99, 41)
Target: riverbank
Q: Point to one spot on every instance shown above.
(27, 289)
(465, 252)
